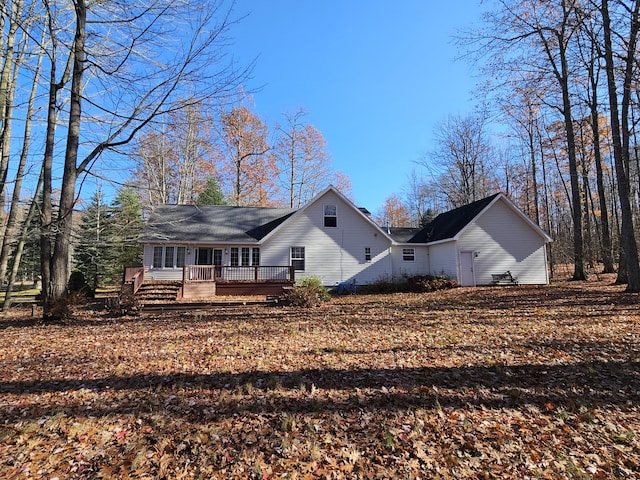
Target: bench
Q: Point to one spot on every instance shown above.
(503, 279)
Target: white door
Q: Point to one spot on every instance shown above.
(467, 278)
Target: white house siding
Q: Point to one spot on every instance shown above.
(334, 254)
(402, 267)
(442, 260)
(503, 241)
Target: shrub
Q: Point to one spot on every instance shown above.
(78, 284)
(307, 293)
(413, 284)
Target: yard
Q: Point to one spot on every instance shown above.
(512, 382)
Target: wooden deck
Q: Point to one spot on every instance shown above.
(205, 281)
(208, 281)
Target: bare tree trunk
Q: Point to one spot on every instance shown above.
(17, 187)
(620, 137)
(22, 239)
(7, 92)
(60, 258)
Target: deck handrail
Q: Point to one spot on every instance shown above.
(134, 275)
(244, 273)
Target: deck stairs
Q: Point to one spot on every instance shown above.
(158, 292)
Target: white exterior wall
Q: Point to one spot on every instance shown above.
(504, 241)
(334, 254)
(420, 265)
(443, 260)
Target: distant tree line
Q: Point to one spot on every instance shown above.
(233, 157)
(560, 138)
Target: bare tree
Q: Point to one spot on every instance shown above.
(128, 67)
(173, 164)
(247, 168)
(304, 164)
(539, 36)
(620, 128)
(463, 160)
(7, 237)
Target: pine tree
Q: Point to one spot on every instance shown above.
(93, 254)
(212, 194)
(127, 226)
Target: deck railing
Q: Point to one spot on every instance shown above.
(135, 276)
(258, 274)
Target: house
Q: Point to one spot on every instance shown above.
(334, 240)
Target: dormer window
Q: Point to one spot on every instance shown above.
(330, 216)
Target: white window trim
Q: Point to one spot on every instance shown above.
(163, 256)
(303, 258)
(405, 254)
(325, 216)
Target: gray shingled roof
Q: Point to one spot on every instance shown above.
(447, 225)
(214, 224)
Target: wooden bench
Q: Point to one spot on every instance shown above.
(503, 279)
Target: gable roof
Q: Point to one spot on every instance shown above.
(193, 223)
(225, 224)
(362, 212)
(447, 225)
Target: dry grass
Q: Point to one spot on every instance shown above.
(468, 383)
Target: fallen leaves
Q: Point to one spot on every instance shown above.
(467, 383)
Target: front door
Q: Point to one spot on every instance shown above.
(467, 278)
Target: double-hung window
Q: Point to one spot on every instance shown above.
(408, 255)
(330, 216)
(367, 254)
(297, 258)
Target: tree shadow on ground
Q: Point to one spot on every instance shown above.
(568, 386)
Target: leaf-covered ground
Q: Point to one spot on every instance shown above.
(469, 383)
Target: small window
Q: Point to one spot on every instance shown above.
(255, 256)
(235, 259)
(181, 253)
(367, 254)
(330, 216)
(168, 257)
(157, 257)
(297, 258)
(408, 255)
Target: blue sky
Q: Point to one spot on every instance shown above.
(375, 77)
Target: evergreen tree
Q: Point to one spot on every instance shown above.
(212, 194)
(127, 226)
(94, 254)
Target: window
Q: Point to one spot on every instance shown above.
(157, 257)
(235, 259)
(367, 254)
(297, 258)
(245, 256)
(408, 255)
(181, 254)
(255, 258)
(330, 216)
(168, 257)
